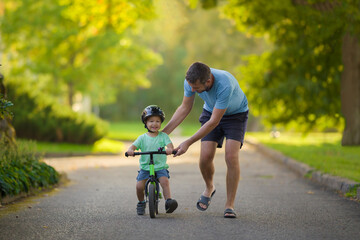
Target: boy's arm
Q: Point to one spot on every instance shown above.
(169, 149)
(131, 150)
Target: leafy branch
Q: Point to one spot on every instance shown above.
(4, 105)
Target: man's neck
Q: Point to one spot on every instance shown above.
(212, 80)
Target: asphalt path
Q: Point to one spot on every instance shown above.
(100, 201)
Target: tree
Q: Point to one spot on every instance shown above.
(84, 46)
(183, 35)
(312, 74)
(6, 129)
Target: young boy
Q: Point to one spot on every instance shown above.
(152, 117)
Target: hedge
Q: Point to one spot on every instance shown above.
(38, 117)
(21, 170)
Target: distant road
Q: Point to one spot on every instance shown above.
(99, 203)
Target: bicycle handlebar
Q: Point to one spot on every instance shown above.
(150, 152)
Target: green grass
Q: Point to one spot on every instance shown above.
(102, 146)
(322, 151)
(129, 131)
(188, 129)
(126, 131)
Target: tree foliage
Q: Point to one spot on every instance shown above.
(78, 46)
(182, 36)
(4, 107)
(299, 79)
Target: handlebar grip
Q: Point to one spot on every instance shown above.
(126, 154)
(174, 152)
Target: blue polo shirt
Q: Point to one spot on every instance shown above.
(224, 94)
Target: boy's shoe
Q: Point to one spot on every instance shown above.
(140, 208)
(170, 205)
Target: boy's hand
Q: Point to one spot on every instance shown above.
(169, 151)
(130, 152)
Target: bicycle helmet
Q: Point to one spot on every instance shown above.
(150, 111)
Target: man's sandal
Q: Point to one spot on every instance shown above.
(229, 213)
(140, 208)
(204, 200)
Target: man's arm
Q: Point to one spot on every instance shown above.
(180, 114)
(214, 120)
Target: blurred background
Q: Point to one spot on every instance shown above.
(75, 76)
(78, 72)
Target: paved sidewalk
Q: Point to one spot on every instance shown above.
(331, 182)
(69, 164)
(99, 203)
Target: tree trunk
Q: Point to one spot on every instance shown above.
(350, 90)
(70, 94)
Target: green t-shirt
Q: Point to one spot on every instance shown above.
(146, 143)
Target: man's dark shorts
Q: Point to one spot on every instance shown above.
(230, 126)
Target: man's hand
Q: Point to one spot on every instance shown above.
(182, 148)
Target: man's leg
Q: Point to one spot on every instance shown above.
(233, 171)
(207, 168)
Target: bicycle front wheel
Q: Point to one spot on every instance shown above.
(152, 201)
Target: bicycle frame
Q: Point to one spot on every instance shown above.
(152, 180)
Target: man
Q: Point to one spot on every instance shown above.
(225, 114)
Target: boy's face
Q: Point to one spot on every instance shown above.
(153, 123)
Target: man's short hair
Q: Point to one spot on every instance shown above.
(198, 71)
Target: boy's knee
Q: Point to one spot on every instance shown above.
(140, 185)
(164, 181)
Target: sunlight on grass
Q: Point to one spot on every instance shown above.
(107, 145)
(101, 146)
(47, 147)
(298, 138)
(323, 151)
(126, 131)
(188, 130)
(129, 131)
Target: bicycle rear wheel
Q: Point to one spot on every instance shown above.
(152, 201)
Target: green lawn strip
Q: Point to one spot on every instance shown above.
(321, 151)
(129, 131)
(102, 146)
(188, 129)
(126, 131)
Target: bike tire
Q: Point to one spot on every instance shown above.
(152, 201)
(157, 206)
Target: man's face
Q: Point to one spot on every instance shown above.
(199, 87)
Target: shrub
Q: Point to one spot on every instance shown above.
(21, 170)
(40, 118)
(4, 107)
